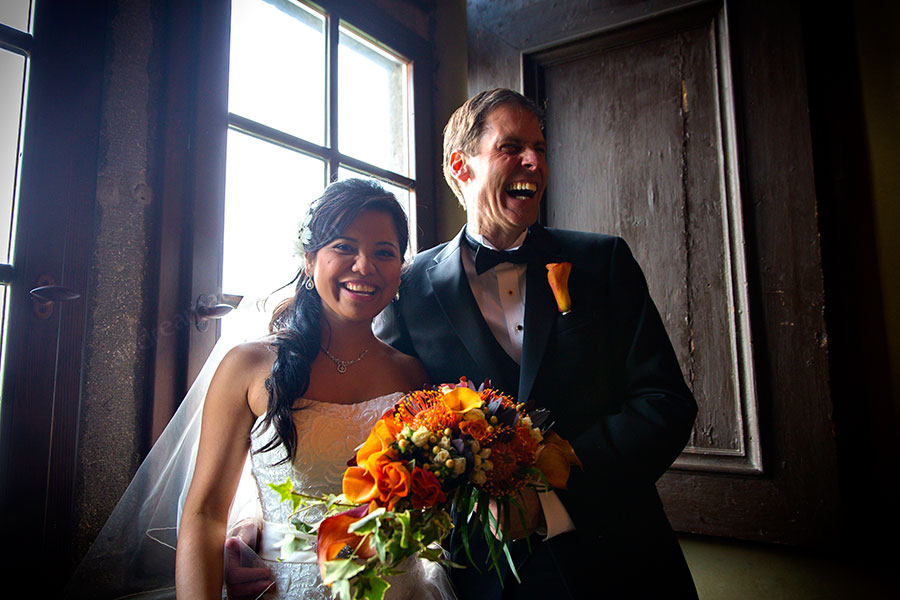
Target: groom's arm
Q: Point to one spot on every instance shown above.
(633, 447)
(390, 328)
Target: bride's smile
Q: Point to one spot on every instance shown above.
(358, 273)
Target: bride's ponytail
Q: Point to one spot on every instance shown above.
(297, 326)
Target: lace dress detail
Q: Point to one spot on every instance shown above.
(327, 436)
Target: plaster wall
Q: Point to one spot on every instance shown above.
(451, 85)
(116, 362)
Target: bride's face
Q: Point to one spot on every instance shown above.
(358, 273)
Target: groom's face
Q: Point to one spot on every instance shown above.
(503, 183)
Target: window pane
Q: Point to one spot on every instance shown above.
(373, 104)
(266, 194)
(277, 70)
(12, 77)
(403, 196)
(15, 13)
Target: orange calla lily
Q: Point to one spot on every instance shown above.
(461, 400)
(333, 536)
(380, 480)
(359, 484)
(555, 458)
(383, 434)
(558, 276)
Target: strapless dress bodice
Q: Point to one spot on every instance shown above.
(327, 436)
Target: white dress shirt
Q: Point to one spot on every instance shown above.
(500, 294)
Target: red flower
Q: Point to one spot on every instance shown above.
(426, 489)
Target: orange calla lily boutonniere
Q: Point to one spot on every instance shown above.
(558, 276)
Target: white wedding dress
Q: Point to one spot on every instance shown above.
(327, 436)
(134, 554)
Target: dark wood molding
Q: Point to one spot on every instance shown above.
(781, 486)
(42, 379)
(739, 429)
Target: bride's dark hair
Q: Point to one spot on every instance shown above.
(296, 322)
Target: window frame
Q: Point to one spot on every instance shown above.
(42, 375)
(193, 181)
(330, 152)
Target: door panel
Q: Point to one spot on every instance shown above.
(664, 126)
(638, 147)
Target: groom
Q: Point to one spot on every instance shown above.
(606, 370)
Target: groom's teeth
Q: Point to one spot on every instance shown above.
(522, 189)
(522, 186)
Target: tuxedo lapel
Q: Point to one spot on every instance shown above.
(540, 309)
(454, 295)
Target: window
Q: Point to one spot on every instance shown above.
(311, 99)
(15, 42)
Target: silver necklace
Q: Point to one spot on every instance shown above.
(343, 364)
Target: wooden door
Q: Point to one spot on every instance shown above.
(663, 127)
(44, 346)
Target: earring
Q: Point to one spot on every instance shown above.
(397, 295)
(309, 284)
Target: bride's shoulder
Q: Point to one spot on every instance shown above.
(247, 359)
(409, 370)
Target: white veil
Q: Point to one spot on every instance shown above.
(134, 554)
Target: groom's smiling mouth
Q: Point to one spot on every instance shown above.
(522, 190)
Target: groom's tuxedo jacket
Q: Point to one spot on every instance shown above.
(607, 373)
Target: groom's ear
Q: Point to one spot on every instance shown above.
(458, 167)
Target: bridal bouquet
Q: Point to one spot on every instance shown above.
(453, 444)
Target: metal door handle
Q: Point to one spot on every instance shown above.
(54, 293)
(208, 308)
(46, 293)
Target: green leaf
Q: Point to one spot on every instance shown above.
(368, 523)
(432, 554)
(403, 519)
(370, 586)
(284, 489)
(341, 589)
(379, 542)
(341, 569)
(286, 492)
(509, 560)
(516, 501)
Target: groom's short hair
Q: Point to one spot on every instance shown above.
(466, 124)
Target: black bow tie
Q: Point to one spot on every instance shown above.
(488, 258)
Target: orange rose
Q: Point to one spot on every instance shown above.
(392, 481)
(478, 429)
(426, 489)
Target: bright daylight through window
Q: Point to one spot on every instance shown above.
(15, 38)
(293, 126)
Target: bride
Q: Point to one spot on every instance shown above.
(298, 401)
(302, 399)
